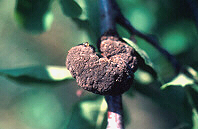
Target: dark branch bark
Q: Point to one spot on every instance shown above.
(194, 8)
(115, 112)
(150, 39)
(108, 27)
(107, 16)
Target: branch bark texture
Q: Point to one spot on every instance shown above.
(108, 26)
(115, 112)
(107, 16)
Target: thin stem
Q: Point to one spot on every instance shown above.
(126, 24)
(115, 112)
(108, 26)
(120, 19)
(107, 16)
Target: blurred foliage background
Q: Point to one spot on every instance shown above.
(39, 102)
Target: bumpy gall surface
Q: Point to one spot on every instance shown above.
(111, 46)
(111, 74)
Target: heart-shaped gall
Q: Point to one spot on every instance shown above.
(106, 76)
(111, 45)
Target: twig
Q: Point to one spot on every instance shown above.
(108, 27)
(107, 16)
(126, 24)
(120, 19)
(115, 112)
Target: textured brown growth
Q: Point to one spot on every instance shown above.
(111, 46)
(111, 74)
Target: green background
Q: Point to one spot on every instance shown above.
(27, 104)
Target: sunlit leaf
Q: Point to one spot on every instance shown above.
(143, 59)
(188, 78)
(180, 80)
(34, 16)
(89, 114)
(46, 73)
(193, 73)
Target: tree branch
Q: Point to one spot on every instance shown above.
(115, 112)
(120, 19)
(107, 16)
(110, 15)
(108, 27)
(150, 39)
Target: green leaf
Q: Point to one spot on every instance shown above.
(192, 95)
(45, 73)
(84, 10)
(183, 79)
(180, 80)
(143, 59)
(90, 13)
(187, 81)
(193, 73)
(90, 113)
(34, 16)
(71, 8)
(88, 7)
(195, 119)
